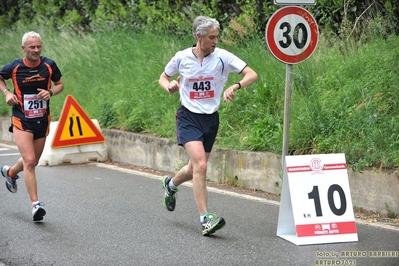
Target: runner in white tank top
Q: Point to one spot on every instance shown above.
(202, 83)
(202, 74)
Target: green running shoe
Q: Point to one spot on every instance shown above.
(212, 223)
(169, 199)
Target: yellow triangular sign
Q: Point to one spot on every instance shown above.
(75, 127)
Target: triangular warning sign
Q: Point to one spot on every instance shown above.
(75, 127)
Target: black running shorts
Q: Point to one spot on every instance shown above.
(196, 127)
(39, 128)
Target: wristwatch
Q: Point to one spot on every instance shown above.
(51, 93)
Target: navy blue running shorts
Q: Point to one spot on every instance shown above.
(39, 128)
(196, 127)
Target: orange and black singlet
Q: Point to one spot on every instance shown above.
(26, 80)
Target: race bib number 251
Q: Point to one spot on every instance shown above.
(33, 106)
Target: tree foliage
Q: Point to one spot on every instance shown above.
(340, 17)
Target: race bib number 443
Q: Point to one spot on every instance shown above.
(202, 88)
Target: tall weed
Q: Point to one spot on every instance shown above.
(344, 97)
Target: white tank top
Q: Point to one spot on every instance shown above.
(201, 85)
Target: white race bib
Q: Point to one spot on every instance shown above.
(33, 106)
(201, 88)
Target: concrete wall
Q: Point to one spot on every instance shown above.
(255, 170)
(5, 135)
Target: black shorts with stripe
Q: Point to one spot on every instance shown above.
(39, 128)
(196, 127)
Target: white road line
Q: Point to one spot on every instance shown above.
(12, 147)
(9, 154)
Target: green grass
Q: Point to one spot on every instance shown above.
(344, 98)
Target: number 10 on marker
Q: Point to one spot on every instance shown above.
(332, 190)
(322, 197)
(316, 205)
(320, 191)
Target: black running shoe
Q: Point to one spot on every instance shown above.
(169, 199)
(212, 223)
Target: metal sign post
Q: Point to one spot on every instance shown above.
(305, 216)
(292, 36)
(287, 108)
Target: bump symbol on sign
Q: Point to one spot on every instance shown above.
(71, 126)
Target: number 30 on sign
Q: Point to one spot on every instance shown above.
(292, 34)
(319, 199)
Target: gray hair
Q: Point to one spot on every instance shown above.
(30, 34)
(202, 24)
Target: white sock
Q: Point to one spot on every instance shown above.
(202, 217)
(171, 185)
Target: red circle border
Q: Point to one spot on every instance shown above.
(270, 27)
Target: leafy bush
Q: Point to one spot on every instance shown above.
(339, 17)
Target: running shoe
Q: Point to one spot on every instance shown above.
(11, 183)
(212, 223)
(37, 211)
(169, 200)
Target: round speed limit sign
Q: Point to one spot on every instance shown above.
(292, 34)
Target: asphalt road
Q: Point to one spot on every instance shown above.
(99, 214)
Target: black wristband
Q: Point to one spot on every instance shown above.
(51, 93)
(239, 85)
